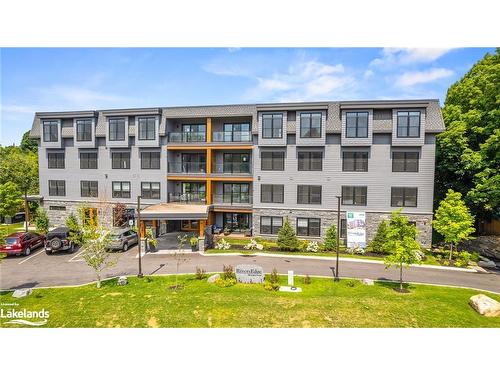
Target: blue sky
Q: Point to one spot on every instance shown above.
(50, 79)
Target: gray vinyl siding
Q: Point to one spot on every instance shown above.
(357, 141)
(58, 143)
(273, 141)
(310, 141)
(397, 141)
(84, 144)
(146, 143)
(126, 141)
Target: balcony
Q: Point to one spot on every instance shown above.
(187, 167)
(232, 168)
(188, 198)
(185, 137)
(233, 199)
(236, 136)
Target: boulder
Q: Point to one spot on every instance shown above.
(367, 282)
(122, 280)
(488, 246)
(212, 278)
(486, 263)
(20, 293)
(485, 305)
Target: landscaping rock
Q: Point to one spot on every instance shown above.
(20, 293)
(485, 305)
(367, 282)
(212, 278)
(486, 263)
(122, 280)
(488, 246)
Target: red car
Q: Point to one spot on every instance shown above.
(22, 243)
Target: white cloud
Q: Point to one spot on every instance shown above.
(15, 108)
(78, 95)
(416, 77)
(392, 57)
(368, 73)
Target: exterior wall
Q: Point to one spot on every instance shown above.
(396, 141)
(357, 141)
(310, 141)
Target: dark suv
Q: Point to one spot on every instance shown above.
(58, 239)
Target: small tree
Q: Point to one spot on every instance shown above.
(330, 242)
(42, 221)
(10, 199)
(287, 240)
(179, 257)
(75, 233)
(401, 245)
(376, 245)
(149, 239)
(453, 220)
(119, 217)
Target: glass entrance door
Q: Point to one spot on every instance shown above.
(237, 222)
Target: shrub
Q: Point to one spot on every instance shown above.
(350, 283)
(274, 278)
(463, 259)
(307, 279)
(312, 246)
(227, 231)
(356, 249)
(222, 244)
(75, 232)
(224, 283)
(252, 245)
(287, 240)
(193, 241)
(228, 272)
(271, 287)
(119, 215)
(330, 243)
(376, 245)
(42, 221)
(200, 273)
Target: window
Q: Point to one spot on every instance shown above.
(310, 125)
(236, 193)
(57, 188)
(272, 193)
(50, 131)
(355, 161)
(310, 161)
(404, 197)
(56, 160)
(88, 160)
(150, 160)
(150, 190)
(194, 132)
(308, 227)
(408, 124)
(354, 195)
(356, 124)
(270, 224)
(57, 208)
(343, 228)
(83, 130)
(121, 189)
(236, 163)
(88, 188)
(116, 129)
(405, 161)
(120, 160)
(272, 125)
(309, 194)
(237, 132)
(272, 160)
(147, 128)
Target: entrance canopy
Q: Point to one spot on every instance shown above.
(175, 211)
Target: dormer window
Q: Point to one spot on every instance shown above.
(356, 124)
(408, 124)
(84, 130)
(272, 125)
(310, 125)
(50, 131)
(117, 129)
(147, 128)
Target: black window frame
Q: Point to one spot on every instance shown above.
(273, 193)
(308, 233)
(56, 160)
(149, 192)
(407, 115)
(60, 188)
(274, 228)
(228, 134)
(148, 128)
(357, 127)
(121, 193)
(404, 196)
(50, 135)
(309, 194)
(309, 160)
(86, 162)
(89, 189)
(405, 161)
(356, 193)
(118, 159)
(275, 160)
(273, 128)
(356, 160)
(310, 115)
(343, 228)
(86, 134)
(147, 159)
(117, 133)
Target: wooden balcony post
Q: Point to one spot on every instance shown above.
(209, 129)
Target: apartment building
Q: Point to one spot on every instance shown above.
(243, 167)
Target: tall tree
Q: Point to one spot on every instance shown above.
(20, 168)
(28, 144)
(468, 152)
(10, 199)
(287, 240)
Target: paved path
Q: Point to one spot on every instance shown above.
(69, 269)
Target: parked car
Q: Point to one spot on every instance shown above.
(122, 239)
(22, 243)
(59, 239)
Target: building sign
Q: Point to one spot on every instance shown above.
(356, 229)
(249, 274)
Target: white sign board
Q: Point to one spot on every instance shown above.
(356, 229)
(249, 274)
(290, 278)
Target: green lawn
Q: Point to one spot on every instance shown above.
(12, 228)
(149, 302)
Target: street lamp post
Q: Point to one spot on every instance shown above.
(338, 239)
(139, 234)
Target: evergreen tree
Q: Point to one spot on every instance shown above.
(287, 240)
(42, 221)
(75, 233)
(330, 242)
(376, 245)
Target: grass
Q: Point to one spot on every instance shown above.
(12, 228)
(149, 302)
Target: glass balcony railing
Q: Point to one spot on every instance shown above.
(187, 167)
(182, 137)
(232, 199)
(191, 198)
(232, 167)
(241, 136)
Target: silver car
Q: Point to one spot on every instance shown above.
(122, 239)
